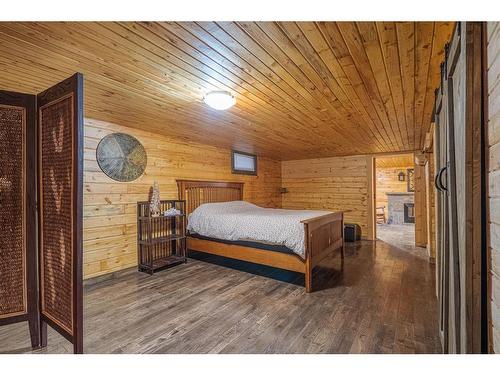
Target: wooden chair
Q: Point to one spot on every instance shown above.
(380, 212)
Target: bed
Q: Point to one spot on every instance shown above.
(222, 224)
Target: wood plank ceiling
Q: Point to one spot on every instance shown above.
(303, 89)
(400, 161)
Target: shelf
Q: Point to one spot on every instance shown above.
(164, 262)
(159, 217)
(162, 239)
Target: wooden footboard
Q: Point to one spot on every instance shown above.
(323, 236)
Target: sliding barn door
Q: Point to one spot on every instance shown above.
(461, 213)
(60, 170)
(442, 232)
(455, 97)
(18, 263)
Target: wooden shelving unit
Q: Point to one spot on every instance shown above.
(161, 240)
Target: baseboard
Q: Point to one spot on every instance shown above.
(87, 283)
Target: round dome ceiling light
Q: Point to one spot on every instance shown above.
(219, 100)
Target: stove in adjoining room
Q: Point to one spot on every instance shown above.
(409, 212)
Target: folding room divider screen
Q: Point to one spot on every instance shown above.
(41, 182)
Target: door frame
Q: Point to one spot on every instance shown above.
(486, 319)
(372, 186)
(476, 307)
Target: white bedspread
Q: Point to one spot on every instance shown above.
(243, 221)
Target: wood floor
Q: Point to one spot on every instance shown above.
(382, 302)
(401, 236)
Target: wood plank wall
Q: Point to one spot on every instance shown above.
(431, 205)
(420, 200)
(337, 183)
(110, 206)
(388, 182)
(494, 176)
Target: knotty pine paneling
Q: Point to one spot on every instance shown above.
(420, 201)
(431, 204)
(494, 176)
(398, 161)
(387, 182)
(110, 206)
(327, 88)
(337, 183)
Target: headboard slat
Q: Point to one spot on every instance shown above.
(196, 193)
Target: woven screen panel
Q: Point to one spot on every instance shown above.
(12, 211)
(56, 189)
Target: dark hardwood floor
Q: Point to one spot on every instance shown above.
(382, 302)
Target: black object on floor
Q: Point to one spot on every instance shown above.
(352, 232)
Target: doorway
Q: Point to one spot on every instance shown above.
(395, 202)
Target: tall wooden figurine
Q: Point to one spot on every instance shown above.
(154, 204)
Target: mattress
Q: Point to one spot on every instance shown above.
(243, 221)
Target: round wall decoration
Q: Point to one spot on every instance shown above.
(121, 157)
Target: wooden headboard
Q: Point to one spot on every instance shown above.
(196, 193)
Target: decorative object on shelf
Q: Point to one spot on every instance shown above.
(172, 212)
(161, 240)
(121, 157)
(154, 202)
(283, 190)
(401, 176)
(411, 181)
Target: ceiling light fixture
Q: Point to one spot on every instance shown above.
(219, 100)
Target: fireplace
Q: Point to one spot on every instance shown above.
(409, 212)
(401, 209)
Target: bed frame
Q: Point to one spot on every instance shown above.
(324, 234)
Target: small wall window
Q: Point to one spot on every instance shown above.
(243, 163)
